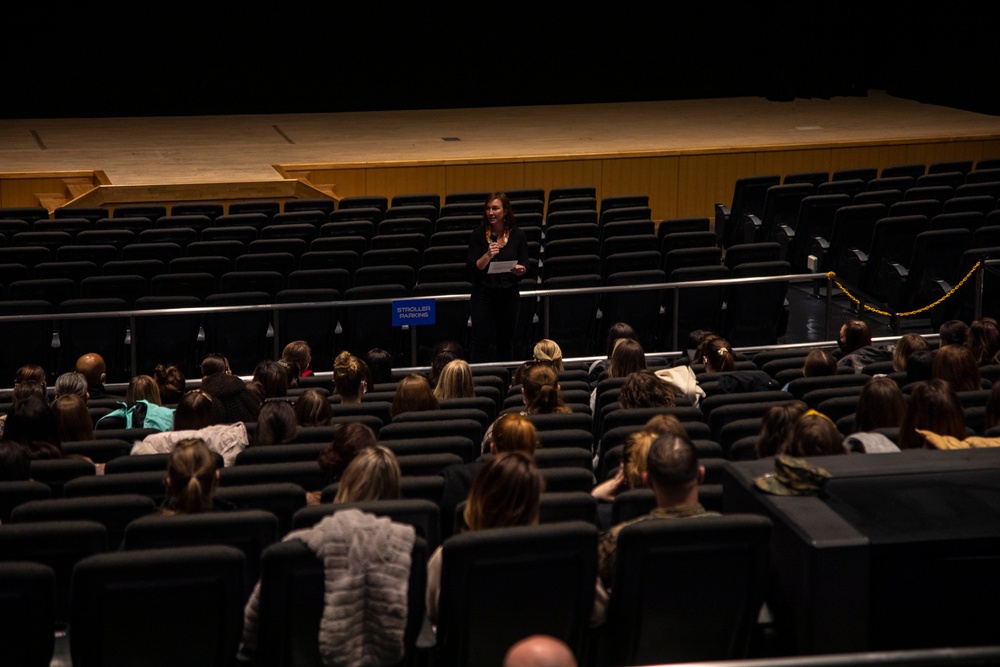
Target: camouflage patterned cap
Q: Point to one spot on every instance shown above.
(793, 477)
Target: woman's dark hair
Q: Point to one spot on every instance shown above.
(776, 425)
(814, 434)
(508, 212)
(881, 405)
(933, 407)
(15, 462)
(32, 423)
(953, 332)
(272, 379)
(73, 417)
(443, 354)
(716, 354)
(413, 394)
(615, 332)
(171, 381)
(627, 357)
(214, 363)
(643, 389)
(856, 335)
(818, 363)
(30, 373)
(541, 391)
(194, 411)
(956, 365)
(312, 409)
(918, 366)
(506, 492)
(984, 341)
(349, 439)
(379, 365)
(276, 424)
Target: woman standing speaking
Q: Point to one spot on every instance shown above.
(497, 258)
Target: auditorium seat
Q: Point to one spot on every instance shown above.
(657, 615)
(555, 561)
(116, 594)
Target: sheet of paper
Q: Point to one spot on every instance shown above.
(502, 267)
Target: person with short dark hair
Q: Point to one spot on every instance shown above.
(674, 474)
(857, 348)
(953, 332)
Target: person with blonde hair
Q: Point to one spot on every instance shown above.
(373, 474)
(548, 352)
(540, 389)
(143, 388)
(350, 377)
(455, 381)
(629, 474)
(191, 478)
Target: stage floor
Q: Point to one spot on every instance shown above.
(212, 149)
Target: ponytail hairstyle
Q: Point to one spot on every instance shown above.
(717, 355)
(541, 391)
(191, 478)
(171, 381)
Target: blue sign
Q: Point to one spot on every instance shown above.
(413, 312)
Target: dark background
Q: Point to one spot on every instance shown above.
(203, 59)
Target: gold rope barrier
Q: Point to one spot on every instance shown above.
(833, 276)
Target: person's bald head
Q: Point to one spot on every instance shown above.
(91, 366)
(539, 651)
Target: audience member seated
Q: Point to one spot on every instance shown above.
(15, 463)
(881, 405)
(455, 381)
(627, 357)
(933, 407)
(814, 434)
(373, 474)
(350, 378)
(141, 409)
(191, 479)
(546, 352)
(72, 383)
(270, 380)
(193, 410)
(616, 331)
(312, 409)
(73, 418)
(984, 342)
(276, 424)
(92, 367)
(631, 473)
(539, 651)
(32, 423)
(674, 474)
(232, 400)
(918, 366)
(511, 432)
(443, 354)
(171, 381)
(413, 394)
(506, 492)
(644, 389)
(905, 346)
(953, 332)
(379, 364)
(718, 357)
(349, 440)
(856, 347)
(956, 365)
(776, 426)
(26, 385)
(298, 353)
